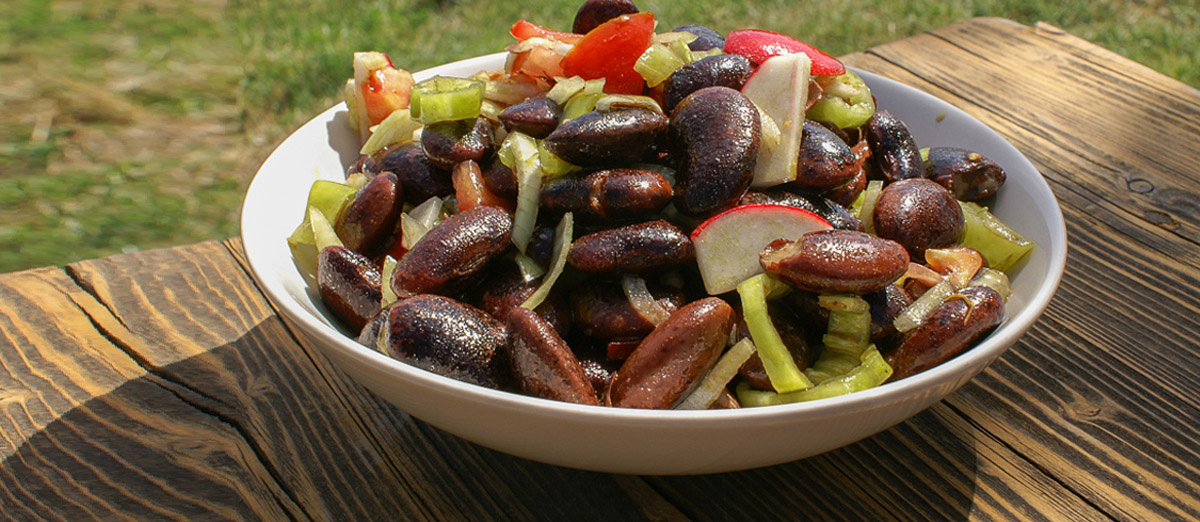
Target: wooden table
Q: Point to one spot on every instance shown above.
(161, 385)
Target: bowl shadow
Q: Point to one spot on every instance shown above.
(259, 429)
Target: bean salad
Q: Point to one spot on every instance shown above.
(626, 216)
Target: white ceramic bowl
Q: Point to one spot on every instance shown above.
(635, 441)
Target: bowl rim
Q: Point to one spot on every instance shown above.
(967, 364)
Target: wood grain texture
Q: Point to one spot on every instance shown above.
(163, 386)
(1102, 393)
(198, 404)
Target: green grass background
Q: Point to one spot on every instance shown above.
(137, 124)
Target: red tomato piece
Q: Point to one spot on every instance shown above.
(523, 30)
(397, 251)
(386, 90)
(470, 191)
(757, 45)
(619, 350)
(610, 51)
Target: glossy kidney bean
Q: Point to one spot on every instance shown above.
(609, 195)
(825, 161)
(893, 147)
(349, 284)
(448, 143)
(536, 116)
(601, 138)
(600, 309)
(919, 214)
(369, 220)
(641, 247)
(836, 261)
(420, 178)
(966, 174)
(595, 12)
(674, 357)
(949, 330)
(714, 136)
(504, 289)
(542, 363)
(723, 70)
(451, 253)
(449, 338)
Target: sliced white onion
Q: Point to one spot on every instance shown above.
(411, 231)
(715, 381)
(624, 101)
(921, 273)
(640, 298)
(994, 279)
(867, 213)
(564, 89)
(389, 296)
(562, 246)
(529, 268)
(428, 213)
(912, 316)
(523, 151)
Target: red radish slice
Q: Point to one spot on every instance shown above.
(757, 45)
(780, 89)
(728, 244)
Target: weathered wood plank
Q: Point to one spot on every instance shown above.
(76, 417)
(1116, 136)
(1109, 411)
(285, 435)
(936, 466)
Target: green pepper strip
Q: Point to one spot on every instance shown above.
(443, 98)
(781, 369)
(871, 372)
(846, 102)
(1002, 246)
(846, 337)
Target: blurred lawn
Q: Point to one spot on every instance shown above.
(137, 124)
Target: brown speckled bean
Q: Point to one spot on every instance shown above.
(449, 143)
(885, 305)
(961, 320)
(725, 70)
(449, 338)
(600, 309)
(836, 261)
(714, 135)
(673, 358)
(601, 138)
(542, 363)
(349, 284)
(609, 195)
(368, 221)
(595, 12)
(420, 178)
(537, 117)
(919, 214)
(825, 162)
(893, 147)
(460, 247)
(504, 289)
(633, 248)
(966, 174)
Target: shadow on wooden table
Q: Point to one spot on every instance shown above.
(249, 431)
